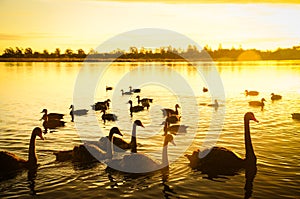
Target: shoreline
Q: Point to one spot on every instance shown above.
(2, 59)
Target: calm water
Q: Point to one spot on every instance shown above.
(27, 88)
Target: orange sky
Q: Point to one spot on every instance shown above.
(50, 24)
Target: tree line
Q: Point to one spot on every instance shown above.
(162, 53)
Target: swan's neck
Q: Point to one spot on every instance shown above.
(109, 145)
(250, 156)
(165, 160)
(32, 159)
(133, 139)
(176, 110)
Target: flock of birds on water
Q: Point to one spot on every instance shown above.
(213, 161)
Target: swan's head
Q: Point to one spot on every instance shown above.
(272, 94)
(250, 116)
(115, 130)
(44, 111)
(177, 106)
(71, 106)
(108, 100)
(169, 138)
(138, 123)
(263, 100)
(129, 102)
(138, 97)
(37, 131)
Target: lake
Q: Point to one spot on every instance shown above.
(27, 88)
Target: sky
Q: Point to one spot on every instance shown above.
(86, 24)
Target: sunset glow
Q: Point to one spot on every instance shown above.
(86, 24)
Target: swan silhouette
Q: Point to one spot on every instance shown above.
(251, 93)
(10, 163)
(258, 103)
(126, 93)
(101, 105)
(134, 109)
(141, 163)
(219, 160)
(88, 152)
(136, 90)
(145, 101)
(296, 116)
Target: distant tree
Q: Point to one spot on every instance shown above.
(28, 52)
(69, 52)
(45, 53)
(18, 52)
(8, 52)
(81, 53)
(57, 52)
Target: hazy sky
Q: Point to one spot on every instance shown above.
(50, 24)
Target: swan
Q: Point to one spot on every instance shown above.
(167, 111)
(126, 93)
(141, 163)
(251, 93)
(296, 116)
(137, 90)
(275, 97)
(257, 103)
(118, 145)
(219, 160)
(174, 129)
(145, 101)
(101, 105)
(108, 116)
(11, 163)
(51, 120)
(78, 112)
(88, 152)
(204, 90)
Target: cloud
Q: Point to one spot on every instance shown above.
(9, 37)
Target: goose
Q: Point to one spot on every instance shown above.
(167, 111)
(108, 116)
(108, 88)
(173, 119)
(275, 97)
(101, 105)
(53, 116)
(145, 101)
(52, 121)
(296, 116)
(135, 109)
(103, 143)
(251, 93)
(126, 93)
(204, 90)
(78, 112)
(137, 90)
(219, 160)
(88, 152)
(216, 104)
(10, 163)
(174, 129)
(258, 103)
(141, 163)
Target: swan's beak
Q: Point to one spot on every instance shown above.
(41, 136)
(172, 141)
(254, 119)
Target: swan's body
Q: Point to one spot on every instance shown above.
(137, 90)
(145, 101)
(219, 160)
(258, 103)
(173, 119)
(108, 88)
(141, 163)
(169, 112)
(88, 152)
(126, 93)
(53, 116)
(275, 97)
(11, 163)
(77, 112)
(296, 116)
(108, 116)
(251, 93)
(100, 106)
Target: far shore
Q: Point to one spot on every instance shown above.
(2, 59)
